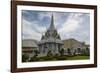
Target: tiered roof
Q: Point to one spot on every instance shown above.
(51, 35)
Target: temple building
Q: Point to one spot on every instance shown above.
(50, 41)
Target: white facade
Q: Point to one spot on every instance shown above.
(51, 41)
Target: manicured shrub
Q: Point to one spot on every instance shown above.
(49, 53)
(69, 51)
(25, 57)
(34, 59)
(87, 52)
(36, 52)
(61, 51)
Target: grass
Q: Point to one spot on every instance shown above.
(78, 58)
(57, 58)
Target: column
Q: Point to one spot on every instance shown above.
(42, 47)
(57, 48)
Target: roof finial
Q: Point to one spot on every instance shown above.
(52, 23)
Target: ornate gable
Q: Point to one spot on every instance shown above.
(51, 31)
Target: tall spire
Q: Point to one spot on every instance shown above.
(52, 23)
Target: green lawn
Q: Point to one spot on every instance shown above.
(57, 58)
(78, 58)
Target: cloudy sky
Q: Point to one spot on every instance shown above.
(68, 24)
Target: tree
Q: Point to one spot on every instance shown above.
(79, 50)
(61, 51)
(49, 53)
(87, 51)
(36, 52)
(25, 57)
(69, 51)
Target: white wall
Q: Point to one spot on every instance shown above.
(5, 36)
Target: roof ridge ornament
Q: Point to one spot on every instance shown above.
(52, 27)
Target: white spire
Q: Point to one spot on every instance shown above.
(52, 23)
